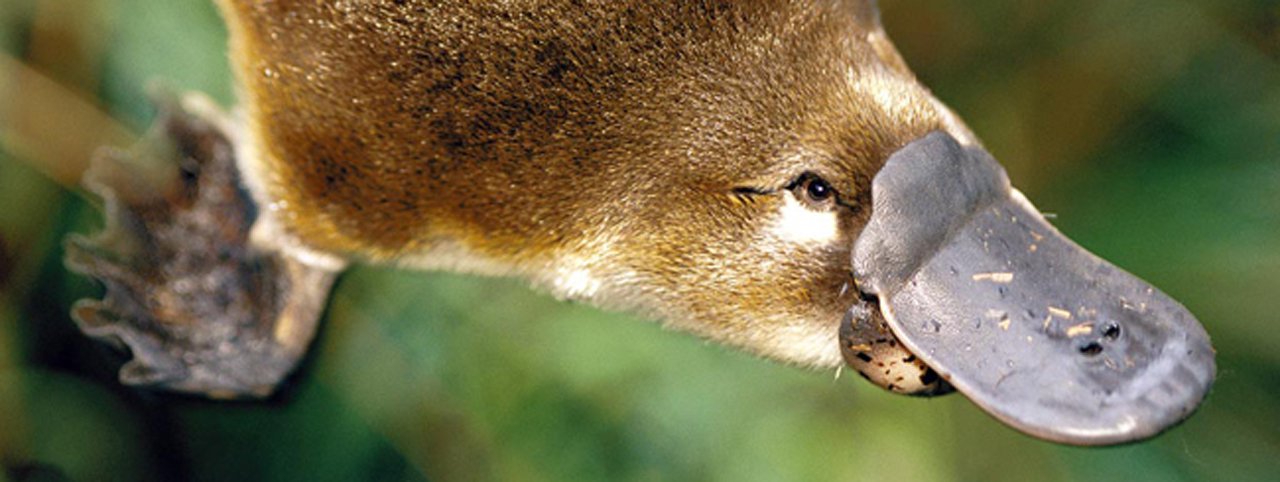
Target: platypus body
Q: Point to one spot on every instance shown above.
(767, 174)
(642, 155)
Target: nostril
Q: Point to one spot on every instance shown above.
(1092, 348)
(1111, 331)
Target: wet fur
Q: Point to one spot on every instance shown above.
(627, 153)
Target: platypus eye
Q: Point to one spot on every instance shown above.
(814, 191)
(818, 190)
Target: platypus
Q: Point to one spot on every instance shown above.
(766, 174)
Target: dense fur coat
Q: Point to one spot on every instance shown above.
(644, 155)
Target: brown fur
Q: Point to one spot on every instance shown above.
(644, 143)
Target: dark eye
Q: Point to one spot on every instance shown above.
(814, 190)
(818, 190)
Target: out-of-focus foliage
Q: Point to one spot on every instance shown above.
(1152, 130)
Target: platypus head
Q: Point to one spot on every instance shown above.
(802, 178)
(746, 177)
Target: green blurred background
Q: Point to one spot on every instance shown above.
(1152, 130)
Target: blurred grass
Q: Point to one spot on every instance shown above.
(1151, 128)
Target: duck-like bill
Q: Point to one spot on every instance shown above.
(1034, 329)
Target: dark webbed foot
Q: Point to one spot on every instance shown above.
(201, 309)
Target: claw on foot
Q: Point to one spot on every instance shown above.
(201, 309)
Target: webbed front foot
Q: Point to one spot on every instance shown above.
(202, 310)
